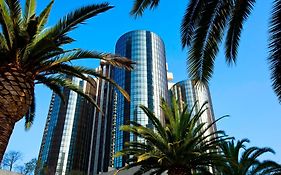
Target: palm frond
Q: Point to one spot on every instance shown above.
(266, 167)
(114, 60)
(30, 115)
(54, 87)
(214, 38)
(190, 21)
(239, 15)
(148, 134)
(196, 59)
(3, 43)
(53, 38)
(245, 162)
(15, 12)
(6, 24)
(30, 9)
(192, 151)
(140, 5)
(66, 83)
(275, 48)
(261, 151)
(155, 121)
(30, 62)
(43, 17)
(79, 16)
(81, 72)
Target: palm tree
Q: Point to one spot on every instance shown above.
(246, 162)
(276, 170)
(32, 54)
(202, 30)
(182, 146)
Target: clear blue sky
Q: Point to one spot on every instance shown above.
(242, 91)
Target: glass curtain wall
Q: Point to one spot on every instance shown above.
(146, 84)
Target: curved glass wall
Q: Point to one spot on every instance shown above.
(187, 93)
(146, 84)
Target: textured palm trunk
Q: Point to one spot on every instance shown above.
(178, 171)
(16, 89)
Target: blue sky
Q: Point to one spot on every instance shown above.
(242, 91)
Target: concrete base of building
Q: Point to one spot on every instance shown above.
(5, 172)
(130, 171)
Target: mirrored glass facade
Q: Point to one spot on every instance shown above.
(146, 84)
(103, 121)
(66, 140)
(187, 93)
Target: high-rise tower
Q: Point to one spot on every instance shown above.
(66, 140)
(146, 84)
(77, 136)
(188, 93)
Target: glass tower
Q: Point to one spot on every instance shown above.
(67, 135)
(103, 121)
(187, 93)
(146, 84)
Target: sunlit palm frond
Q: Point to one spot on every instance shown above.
(155, 121)
(30, 10)
(82, 54)
(165, 148)
(275, 48)
(43, 17)
(6, 24)
(55, 37)
(79, 16)
(15, 12)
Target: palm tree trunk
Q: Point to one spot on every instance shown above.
(6, 128)
(16, 93)
(178, 171)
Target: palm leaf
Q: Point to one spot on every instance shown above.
(240, 13)
(155, 121)
(79, 71)
(140, 5)
(29, 11)
(15, 12)
(30, 115)
(214, 38)
(3, 43)
(43, 17)
(191, 151)
(190, 21)
(275, 48)
(54, 87)
(70, 21)
(197, 60)
(63, 82)
(81, 54)
(6, 24)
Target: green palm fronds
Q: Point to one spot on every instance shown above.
(244, 161)
(29, 47)
(182, 143)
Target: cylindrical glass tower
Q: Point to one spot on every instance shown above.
(146, 84)
(187, 93)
